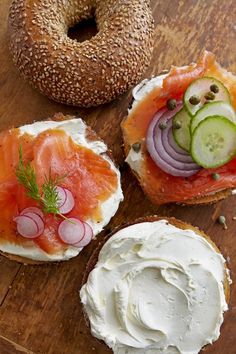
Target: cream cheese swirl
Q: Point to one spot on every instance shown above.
(156, 289)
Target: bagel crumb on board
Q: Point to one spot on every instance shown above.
(88, 73)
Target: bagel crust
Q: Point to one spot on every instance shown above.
(88, 73)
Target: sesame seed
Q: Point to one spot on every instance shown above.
(87, 73)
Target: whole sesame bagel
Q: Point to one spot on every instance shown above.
(88, 73)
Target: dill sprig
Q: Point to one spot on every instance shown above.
(27, 177)
(48, 199)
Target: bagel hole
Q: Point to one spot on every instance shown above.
(83, 30)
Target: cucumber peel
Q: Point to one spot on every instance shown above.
(182, 134)
(219, 108)
(201, 88)
(214, 142)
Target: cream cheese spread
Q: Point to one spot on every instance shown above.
(139, 92)
(76, 128)
(156, 289)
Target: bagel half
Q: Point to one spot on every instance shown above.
(89, 73)
(19, 249)
(150, 96)
(97, 259)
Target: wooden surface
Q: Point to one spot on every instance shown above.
(40, 310)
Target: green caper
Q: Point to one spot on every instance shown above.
(136, 147)
(215, 176)
(171, 104)
(214, 88)
(209, 96)
(194, 100)
(177, 124)
(162, 125)
(222, 221)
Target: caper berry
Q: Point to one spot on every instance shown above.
(215, 176)
(194, 100)
(177, 124)
(162, 125)
(136, 147)
(214, 88)
(171, 104)
(209, 96)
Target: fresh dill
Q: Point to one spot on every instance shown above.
(48, 199)
(27, 177)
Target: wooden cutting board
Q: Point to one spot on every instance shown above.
(40, 310)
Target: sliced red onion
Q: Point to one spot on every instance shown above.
(27, 226)
(163, 149)
(88, 235)
(71, 231)
(170, 145)
(34, 210)
(66, 200)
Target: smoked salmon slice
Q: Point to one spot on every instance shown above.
(86, 174)
(159, 186)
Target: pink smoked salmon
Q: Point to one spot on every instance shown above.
(88, 176)
(160, 186)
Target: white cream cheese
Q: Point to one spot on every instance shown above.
(156, 289)
(146, 86)
(76, 128)
(134, 158)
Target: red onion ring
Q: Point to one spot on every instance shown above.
(163, 149)
(171, 147)
(160, 143)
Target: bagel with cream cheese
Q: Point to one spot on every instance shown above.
(88, 73)
(164, 276)
(59, 187)
(175, 175)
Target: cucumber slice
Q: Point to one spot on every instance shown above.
(214, 108)
(182, 134)
(200, 88)
(214, 142)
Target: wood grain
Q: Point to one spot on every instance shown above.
(41, 312)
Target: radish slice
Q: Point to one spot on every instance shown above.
(38, 220)
(163, 149)
(66, 200)
(88, 235)
(71, 231)
(34, 210)
(26, 226)
(61, 196)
